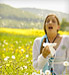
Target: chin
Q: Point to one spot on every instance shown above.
(51, 32)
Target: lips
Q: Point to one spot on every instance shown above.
(50, 27)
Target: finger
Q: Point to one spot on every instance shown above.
(47, 47)
(47, 51)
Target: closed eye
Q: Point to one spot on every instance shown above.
(53, 21)
(48, 21)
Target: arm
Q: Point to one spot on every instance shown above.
(68, 60)
(66, 40)
(38, 60)
(67, 53)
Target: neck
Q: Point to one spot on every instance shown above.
(52, 37)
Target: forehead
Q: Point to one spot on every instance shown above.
(51, 17)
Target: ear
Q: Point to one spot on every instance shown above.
(58, 27)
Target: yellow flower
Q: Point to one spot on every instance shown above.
(11, 49)
(6, 49)
(20, 52)
(3, 55)
(16, 50)
(27, 47)
(12, 45)
(34, 32)
(23, 46)
(10, 61)
(8, 65)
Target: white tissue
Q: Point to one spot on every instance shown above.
(50, 45)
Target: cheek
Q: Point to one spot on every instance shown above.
(56, 27)
(46, 27)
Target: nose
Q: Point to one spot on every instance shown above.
(50, 21)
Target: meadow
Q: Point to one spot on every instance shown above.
(16, 50)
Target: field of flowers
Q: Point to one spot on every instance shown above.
(16, 50)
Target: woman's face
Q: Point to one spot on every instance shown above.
(51, 24)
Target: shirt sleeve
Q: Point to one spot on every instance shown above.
(67, 47)
(38, 60)
(68, 60)
(67, 51)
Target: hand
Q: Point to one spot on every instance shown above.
(51, 47)
(45, 51)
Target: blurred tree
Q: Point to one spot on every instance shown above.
(64, 25)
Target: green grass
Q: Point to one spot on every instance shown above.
(20, 46)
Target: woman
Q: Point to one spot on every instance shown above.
(42, 55)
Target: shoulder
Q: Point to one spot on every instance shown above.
(38, 39)
(66, 37)
(36, 44)
(66, 40)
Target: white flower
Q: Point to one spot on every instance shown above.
(41, 73)
(30, 42)
(13, 57)
(6, 58)
(19, 47)
(22, 50)
(27, 56)
(66, 63)
(31, 60)
(0, 43)
(47, 72)
(25, 67)
(6, 43)
(0, 66)
(16, 42)
(21, 68)
(4, 49)
(27, 62)
(34, 73)
(3, 45)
